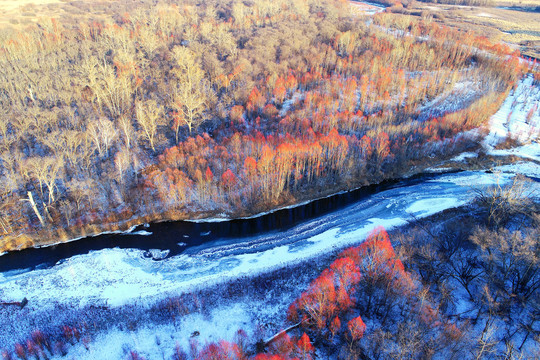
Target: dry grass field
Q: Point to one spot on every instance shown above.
(16, 14)
(518, 28)
(521, 29)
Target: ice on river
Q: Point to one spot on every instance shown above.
(119, 276)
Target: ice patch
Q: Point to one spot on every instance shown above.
(156, 254)
(433, 206)
(141, 232)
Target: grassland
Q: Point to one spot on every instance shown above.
(17, 14)
(518, 28)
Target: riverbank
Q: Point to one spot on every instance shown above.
(154, 326)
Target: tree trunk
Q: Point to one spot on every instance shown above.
(34, 207)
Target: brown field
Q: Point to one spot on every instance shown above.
(16, 14)
(519, 29)
(518, 3)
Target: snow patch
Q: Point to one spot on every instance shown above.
(464, 156)
(140, 232)
(433, 206)
(518, 118)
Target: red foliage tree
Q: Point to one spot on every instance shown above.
(208, 175)
(357, 328)
(270, 357)
(228, 179)
(319, 301)
(220, 351)
(282, 345)
(305, 349)
(335, 326)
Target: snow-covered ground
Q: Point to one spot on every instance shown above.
(519, 119)
(159, 341)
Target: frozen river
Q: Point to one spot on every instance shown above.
(117, 276)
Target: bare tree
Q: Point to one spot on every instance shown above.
(149, 117)
(103, 134)
(46, 170)
(190, 98)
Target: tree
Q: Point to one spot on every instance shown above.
(318, 303)
(103, 134)
(228, 179)
(356, 328)
(335, 326)
(46, 171)
(305, 349)
(191, 94)
(149, 117)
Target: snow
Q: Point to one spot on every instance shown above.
(287, 104)
(140, 232)
(459, 97)
(464, 156)
(433, 206)
(159, 341)
(511, 121)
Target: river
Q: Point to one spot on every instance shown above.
(116, 269)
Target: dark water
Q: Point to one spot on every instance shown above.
(179, 236)
(521, 8)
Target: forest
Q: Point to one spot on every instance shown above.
(227, 108)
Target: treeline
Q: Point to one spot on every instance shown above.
(271, 97)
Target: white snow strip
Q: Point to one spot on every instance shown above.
(140, 232)
(529, 151)
(432, 206)
(525, 168)
(464, 156)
